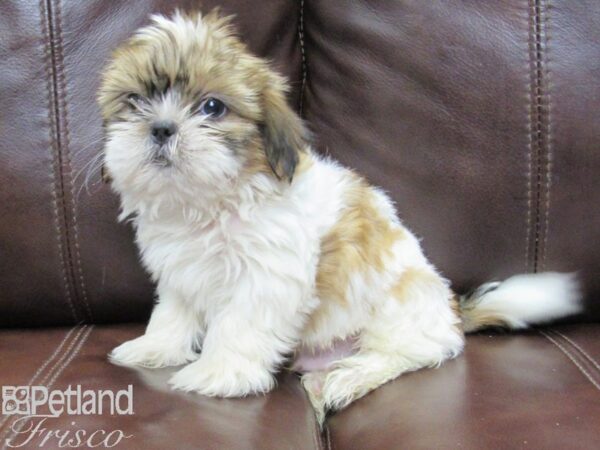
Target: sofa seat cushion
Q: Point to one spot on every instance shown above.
(536, 390)
(162, 419)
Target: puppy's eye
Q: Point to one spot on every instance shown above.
(213, 107)
(134, 100)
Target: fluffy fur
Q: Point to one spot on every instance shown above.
(263, 251)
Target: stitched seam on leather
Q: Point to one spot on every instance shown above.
(578, 347)
(316, 436)
(548, 168)
(303, 55)
(75, 349)
(56, 366)
(59, 151)
(10, 432)
(78, 271)
(572, 358)
(538, 127)
(72, 357)
(56, 169)
(529, 152)
(576, 353)
(45, 364)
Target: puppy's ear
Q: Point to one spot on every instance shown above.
(284, 135)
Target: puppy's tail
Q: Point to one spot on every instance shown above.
(521, 301)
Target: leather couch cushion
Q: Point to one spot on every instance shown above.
(530, 390)
(537, 390)
(162, 419)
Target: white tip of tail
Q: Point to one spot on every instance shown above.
(521, 301)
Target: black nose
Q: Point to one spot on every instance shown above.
(162, 131)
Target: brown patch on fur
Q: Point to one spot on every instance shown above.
(362, 239)
(455, 306)
(421, 278)
(474, 319)
(196, 53)
(305, 162)
(409, 278)
(257, 162)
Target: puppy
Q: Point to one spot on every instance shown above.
(265, 253)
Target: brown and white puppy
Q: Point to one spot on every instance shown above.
(262, 249)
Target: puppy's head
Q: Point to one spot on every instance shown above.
(187, 109)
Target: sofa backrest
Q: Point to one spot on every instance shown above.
(479, 118)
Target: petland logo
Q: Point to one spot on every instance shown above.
(37, 404)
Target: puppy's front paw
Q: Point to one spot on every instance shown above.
(223, 380)
(151, 352)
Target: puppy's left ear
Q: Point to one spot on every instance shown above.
(283, 132)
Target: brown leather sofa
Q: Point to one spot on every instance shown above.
(481, 118)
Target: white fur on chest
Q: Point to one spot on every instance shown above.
(205, 260)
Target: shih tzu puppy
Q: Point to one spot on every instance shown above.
(266, 254)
